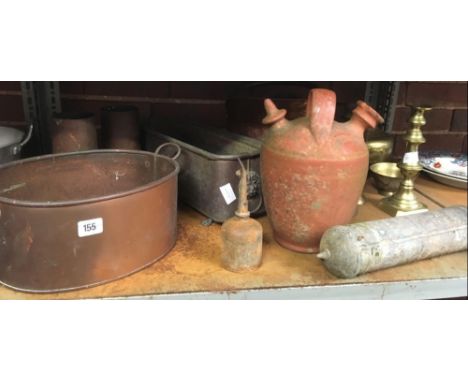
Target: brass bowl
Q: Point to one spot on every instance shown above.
(387, 177)
(380, 150)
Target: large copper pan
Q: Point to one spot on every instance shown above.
(80, 219)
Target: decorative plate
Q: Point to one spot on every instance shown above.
(445, 163)
(447, 180)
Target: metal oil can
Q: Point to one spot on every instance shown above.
(241, 235)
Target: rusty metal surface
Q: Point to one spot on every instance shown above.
(120, 127)
(73, 132)
(194, 265)
(209, 161)
(45, 203)
(241, 244)
(241, 235)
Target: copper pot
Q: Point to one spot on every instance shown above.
(80, 219)
(120, 127)
(313, 169)
(75, 131)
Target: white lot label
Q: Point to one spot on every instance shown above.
(411, 158)
(228, 193)
(90, 227)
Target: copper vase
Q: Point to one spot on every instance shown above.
(73, 132)
(313, 169)
(120, 127)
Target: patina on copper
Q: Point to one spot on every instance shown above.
(44, 199)
(241, 235)
(313, 169)
(120, 127)
(73, 132)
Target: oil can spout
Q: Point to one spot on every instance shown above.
(365, 117)
(243, 206)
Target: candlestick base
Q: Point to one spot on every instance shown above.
(396, 205)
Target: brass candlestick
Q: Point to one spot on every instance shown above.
(404, 201)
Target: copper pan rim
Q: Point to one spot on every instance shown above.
(135, 190)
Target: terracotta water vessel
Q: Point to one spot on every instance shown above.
(313, 169)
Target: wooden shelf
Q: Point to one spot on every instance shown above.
(192, 269)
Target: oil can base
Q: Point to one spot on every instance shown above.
(241, 270)
(241, 244)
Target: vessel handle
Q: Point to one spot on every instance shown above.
(321, 105)
(167, 144)
(27, 137)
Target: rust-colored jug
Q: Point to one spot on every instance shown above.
(313, 169)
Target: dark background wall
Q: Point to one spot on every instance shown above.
(205, 102)
(11, 105)
(446, 123)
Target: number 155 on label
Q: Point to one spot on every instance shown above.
(90, 227)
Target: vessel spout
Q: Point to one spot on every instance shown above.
(325, 254)
(275, 116)
(365, 117)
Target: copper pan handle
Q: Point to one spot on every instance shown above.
(167, 144)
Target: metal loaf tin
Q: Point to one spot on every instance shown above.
(209, 160)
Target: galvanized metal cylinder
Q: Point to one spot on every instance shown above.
(350, 250)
